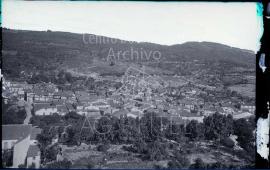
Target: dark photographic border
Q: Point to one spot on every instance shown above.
(262, 77)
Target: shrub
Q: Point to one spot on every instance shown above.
(217, 165)
(103, 147)
(180, 161)
(65, 164)
(90, 165)
(157, 166)
(198, 164)
(7, 156)
(228, 142)
(21, 166)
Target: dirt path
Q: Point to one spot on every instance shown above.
(28, 108)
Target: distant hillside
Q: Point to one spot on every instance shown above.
(214, 51)
(47, 50)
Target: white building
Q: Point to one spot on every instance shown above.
(61, 109)
(248, 108)
(19, 138)
(41, 109)
(198, 118)
(33, 157)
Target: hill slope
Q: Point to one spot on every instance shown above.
(33, 51)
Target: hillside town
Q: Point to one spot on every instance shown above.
(130, 85)
(137, 94)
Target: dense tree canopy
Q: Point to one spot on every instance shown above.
(218, 126)
(12, 114)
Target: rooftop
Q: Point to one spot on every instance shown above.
(62, 108)
(38, 106)
(35, 131)
(16, 131)
(33, 151)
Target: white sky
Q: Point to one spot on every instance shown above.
(233, 24)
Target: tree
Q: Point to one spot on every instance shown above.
(228, 142)
(195, 130)
(50, 153)
(180, 161)
(174, 164)
(90, 165)
(176, 132)
(103, 147)
(7, 156)
(44, 138)
(68, 77)
(217, 165)
(65, 164)
(218, 126)
(12, 114)
(198, 164)
(158, 166)
(104, 125)
(237, 106)
(71, 138)
(152, 126)
(117, 85)
(156, 151)
(112, 63)
(244, 130)
(72, 116)
(140, 147)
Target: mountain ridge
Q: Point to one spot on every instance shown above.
(43, 50)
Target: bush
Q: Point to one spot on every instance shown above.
(198, 164)
(12, 114)
(50, 153)
(22, 166)
(218, 126)
(65, 164)
(7, 156)
(180, 161)
(217, 165)
(103, 147)
(90, 165)
(173, 164)
(228, 142)
(157, 166)
(183, 160)
(129, 149)
(244, 130)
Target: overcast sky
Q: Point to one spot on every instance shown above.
(233, 24)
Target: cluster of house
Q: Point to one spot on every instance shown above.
(192, 102)
(14, 89)
(94, 108)
(188, 106)
(20, 139)
(47, 99)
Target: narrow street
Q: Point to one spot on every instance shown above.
(28, 108)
